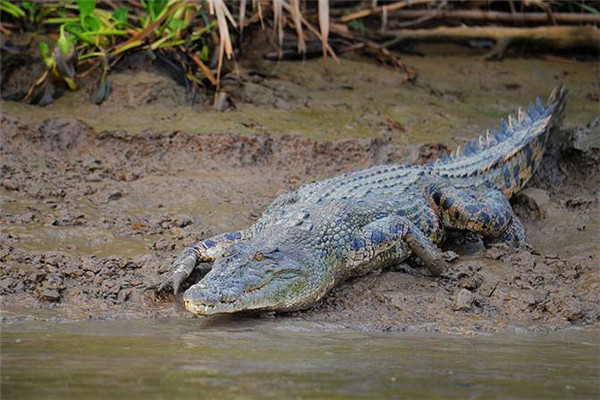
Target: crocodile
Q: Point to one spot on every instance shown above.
(312, 239)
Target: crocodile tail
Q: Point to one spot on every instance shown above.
(508, 157)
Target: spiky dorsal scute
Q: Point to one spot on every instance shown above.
(507, 129)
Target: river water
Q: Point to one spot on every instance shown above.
(249, 358)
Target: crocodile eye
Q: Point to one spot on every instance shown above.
(258, 256)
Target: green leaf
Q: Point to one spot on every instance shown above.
(48, 60)
(27, 5)
(204, 55)
(587, 8)
(156, 7)
(120, 15)
(91, 23)
(64, 43)
(8, 7)
(86, 7)
(178, 24)
(73, 28)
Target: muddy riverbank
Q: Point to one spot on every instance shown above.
(97, 200)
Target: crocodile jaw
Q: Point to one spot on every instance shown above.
(271, 296)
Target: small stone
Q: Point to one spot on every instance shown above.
(450, 256)
(49, 295)
(496, 251)
(93, 177)
(464, 300)
(6, 284)
(116, 195)
(163, 244)
(49, 220)
(123, 295)
(9, 185)
(177, 233)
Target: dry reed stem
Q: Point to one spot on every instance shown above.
(295, 11)
(324, 25)
(315, 32)
(205, 70)
(242, 15)
(278, 21)
(143, 33)
(256, 7)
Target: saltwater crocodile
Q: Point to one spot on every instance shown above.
(310, 240)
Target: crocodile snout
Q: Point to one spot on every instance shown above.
(204, 300)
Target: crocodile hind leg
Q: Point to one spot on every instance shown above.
(399, 234)
(203, 251)
(488, 214)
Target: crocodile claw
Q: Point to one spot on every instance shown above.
(182, 268)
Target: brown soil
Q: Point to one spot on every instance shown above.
(95, 207)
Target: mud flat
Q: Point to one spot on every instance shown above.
(97, 200)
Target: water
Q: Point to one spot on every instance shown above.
(249, 358)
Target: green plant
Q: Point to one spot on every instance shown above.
(94, 34)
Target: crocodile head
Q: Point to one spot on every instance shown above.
(251, 277)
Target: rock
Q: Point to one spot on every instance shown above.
(49, 220)
(89, 264)
(6, 284)
(177, 233)
(162, 245)
(123, 295)
(49, 294)
(473, 282)
(496, 251)
(450, 256)
(10, 185)
(183, 221)
(464, 300)
(116, 195)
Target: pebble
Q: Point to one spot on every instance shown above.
(9, 185)
(49, 220)
(464, 300)
(116, 195)
(50, 295)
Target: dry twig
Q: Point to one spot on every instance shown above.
(379, 10)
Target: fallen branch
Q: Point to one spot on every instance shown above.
(379, 10)
(497, 16)
(557, 37)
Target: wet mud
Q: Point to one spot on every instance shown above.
(95, 205)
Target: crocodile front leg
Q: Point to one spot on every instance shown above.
(398, 234)
(488, 214)
(204, 251)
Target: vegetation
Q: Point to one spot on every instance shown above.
(194, 38)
